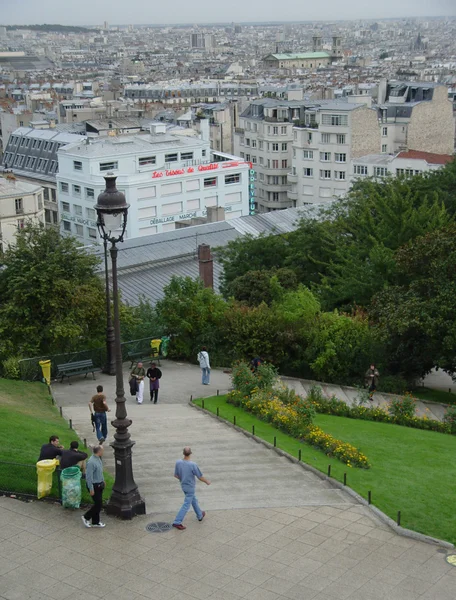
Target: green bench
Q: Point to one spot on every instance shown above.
(79, 367)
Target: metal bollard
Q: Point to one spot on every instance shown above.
(329, 470)
(218, 412)
(275, 442)
(70, 422)
(202, 403)
(345, 478)
(299, 455)
(369, 497)
(253, 429)
(399, 518)
(234, 420)
(61, 412)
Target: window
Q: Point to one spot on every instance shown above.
(384, 131)
(307, 172)
(53, 195)
(90, 193)
(325, 174)
(384, 148)
(284, 180)
(65, 206)
(340, 138)
(19, 206)
(64, 187)
(260, 145)
(284, 146)
(309, 138)
(283, 130)
(203, 153)
(247, 141)
(46, 193)
(210, 182)
(109, 166)
(173, 157)
(247, 157)
(77, 165)
(54, 167)
(380, 171)
(275, 196)
(186, 156)
(307, 154)
(285, 164)
(77, 190)
(334, 120)
(339, 175)
(325, 156)
(147, 160)
(273, 179)
(92, 233)
(261, 160)
(79, 230)
(78, 210)
(234, 178)
(66, 225)
(255, 127)
(275, 131)
(360, 170)
(23, 140)
(254, 160)
(261, 176)
(275, 147)
(254, 144)
(90, 212)
(340, 157)
(242, 155)
(295, 135)
(40, 201)
(275, 164)
(325, 138)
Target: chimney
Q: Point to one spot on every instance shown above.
(206, 265)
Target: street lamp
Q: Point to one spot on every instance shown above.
(125, 501)
(110, 366)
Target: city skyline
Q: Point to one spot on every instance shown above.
(29, 12)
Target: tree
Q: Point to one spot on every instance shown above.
(140, 321)
(256, 287)
(192, 315)
(51, 300)
(416, 316)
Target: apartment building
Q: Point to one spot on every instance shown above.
(327, 138)
(32, 155)
(264, 138)
(19, 202)
(403, 164)
(165, 178)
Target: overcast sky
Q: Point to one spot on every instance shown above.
(94, 12)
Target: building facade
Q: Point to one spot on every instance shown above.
(19, 202)
(403, 164)
(165, 179)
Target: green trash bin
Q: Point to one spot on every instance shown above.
(71, 487)
(164, 346)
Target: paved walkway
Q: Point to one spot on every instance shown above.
(295, 540)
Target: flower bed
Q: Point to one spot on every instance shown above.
(292, 414)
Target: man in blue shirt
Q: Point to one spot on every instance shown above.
(186, 470)
(95, 484)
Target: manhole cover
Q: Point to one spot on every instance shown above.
(451, 559)
(158, 527)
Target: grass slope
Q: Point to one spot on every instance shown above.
(412, 470)
(27, 419)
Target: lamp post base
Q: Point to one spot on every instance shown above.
(125, 506)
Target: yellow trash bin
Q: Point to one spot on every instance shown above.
(45, 469)
(46, 369)
(155, 345)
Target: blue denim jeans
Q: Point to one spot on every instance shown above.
(190, 500)
(206, 374)
(101, 425)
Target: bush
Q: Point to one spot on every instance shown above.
(245, 381)
(393, 384)
(11, 368)
(450, 418)
(331, 446)
(403, 407)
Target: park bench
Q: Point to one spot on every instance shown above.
(79, 367)
(136, 356)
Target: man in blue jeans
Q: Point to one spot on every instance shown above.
(186, 470)
(99, 408)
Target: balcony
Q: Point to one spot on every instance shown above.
(292, 195)
(277, 120)
(302, 125)
(239, 130)
(292, 178)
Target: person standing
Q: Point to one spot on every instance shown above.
(98, 408)
(185, 471)
(95, 484)
(372, 376)
(51, 450)
(139, 373)
(73, 457)
(203, 359)
(154, 374)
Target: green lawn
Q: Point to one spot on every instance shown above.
(445, 397)
(27, 419)
(412, 470)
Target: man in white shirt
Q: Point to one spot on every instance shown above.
(203, 359)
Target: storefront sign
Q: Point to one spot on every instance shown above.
(252, 192)
(200, 168)
(79, 220)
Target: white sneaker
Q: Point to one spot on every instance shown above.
(86, 523)
(100, 524)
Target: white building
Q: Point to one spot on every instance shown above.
(404, 164)
(19, 202)
(165, 178)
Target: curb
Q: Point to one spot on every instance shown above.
(414, 535)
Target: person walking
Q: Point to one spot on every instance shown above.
(185, 471)
(95, 484)
(98, 408)
(154, 374)
(139, 373)
(372, 376)
(203, 359)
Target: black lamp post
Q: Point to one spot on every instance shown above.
(125, 500)
(110, 366)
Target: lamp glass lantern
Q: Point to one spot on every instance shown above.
(112, 210)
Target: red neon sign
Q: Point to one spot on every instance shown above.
(201, 168)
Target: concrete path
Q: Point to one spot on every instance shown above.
(288, 553)
(244, 474)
